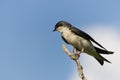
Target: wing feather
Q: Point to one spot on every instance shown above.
(64, 39)
(85, 35)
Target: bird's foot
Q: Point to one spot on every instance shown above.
(75, 56)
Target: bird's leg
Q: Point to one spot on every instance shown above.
(82, 50)
(74, 50)
(76, 54)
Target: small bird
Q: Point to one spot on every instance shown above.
(81, 41)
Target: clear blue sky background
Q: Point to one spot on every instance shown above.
(29, 50)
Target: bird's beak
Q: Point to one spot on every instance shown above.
(54, 30)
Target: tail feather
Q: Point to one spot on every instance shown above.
(102, 51)
(101, 59)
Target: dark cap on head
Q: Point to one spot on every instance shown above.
(62, 23)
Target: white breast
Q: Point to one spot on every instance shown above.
(71, 38)
(75, 40)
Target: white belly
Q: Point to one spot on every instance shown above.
(77, 41)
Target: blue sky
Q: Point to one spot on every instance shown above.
(29, 50)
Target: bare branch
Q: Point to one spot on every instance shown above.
(75, 56)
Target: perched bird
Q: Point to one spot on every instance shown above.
(81, 41)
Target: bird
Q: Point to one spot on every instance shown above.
(81, 41)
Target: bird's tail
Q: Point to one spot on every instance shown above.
(100, 51)
(101, 59)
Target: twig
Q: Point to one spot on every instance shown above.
(75, 57)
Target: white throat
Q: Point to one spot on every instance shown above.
(63, 29)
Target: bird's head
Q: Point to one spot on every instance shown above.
(61, 26)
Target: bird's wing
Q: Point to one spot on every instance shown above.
(101, 51)
(64, 39)
(85, 35)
